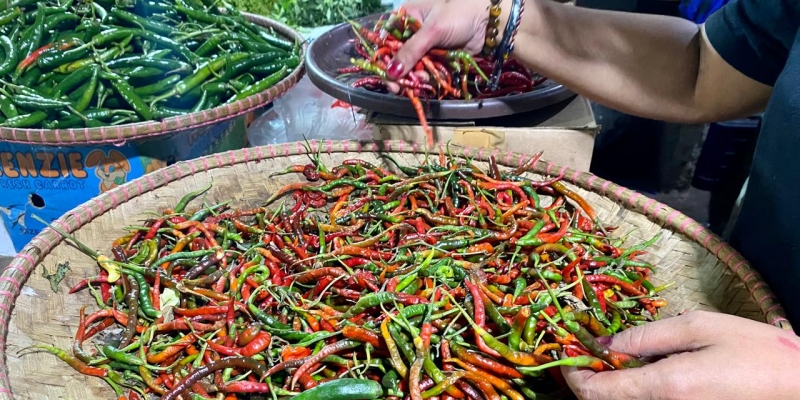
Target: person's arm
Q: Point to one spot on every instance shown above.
(651, 66)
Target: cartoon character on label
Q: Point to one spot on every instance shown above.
(112, 168)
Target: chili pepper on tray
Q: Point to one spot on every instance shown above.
(441, 74)
(362, 289)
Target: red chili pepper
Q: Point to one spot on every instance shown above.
(554, 237)
(245, 387)
(85, 283)
(480, 318)
(362, 335)
(30, 59)
(585, 224)
(339, 103)
(154, 229)
(567, 271)
(105, 288)
(626, 287)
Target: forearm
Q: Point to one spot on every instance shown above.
(640, 64)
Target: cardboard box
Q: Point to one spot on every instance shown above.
(565, 132)
(50, 180)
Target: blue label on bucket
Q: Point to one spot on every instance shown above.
(48, 181)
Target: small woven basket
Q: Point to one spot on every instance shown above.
(708, 274)
(149, 129)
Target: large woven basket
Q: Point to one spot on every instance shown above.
(146, 129)
(708, 273)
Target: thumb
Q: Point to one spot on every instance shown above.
(621, 384)
(688, 332)
(412, 51)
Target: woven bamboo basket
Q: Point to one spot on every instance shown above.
(149, 129)
(708, 273)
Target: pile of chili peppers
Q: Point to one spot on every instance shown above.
(71, 64)
(440, 74)
(437, 281)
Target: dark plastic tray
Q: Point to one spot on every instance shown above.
(333, 50)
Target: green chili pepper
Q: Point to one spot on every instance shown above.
(619, 275)
(205, 71)
(54, 59)
(149, 62)
(60, 17)
(7, 107)
(141, 253)
(40, 102)
(25, 120)
(11, 55)
(515, 339)
(627, 304)
(529, 331)
(182, 255)
(495, 316)
(31, 42)
(370, 300)
(261, 85)
(264, 36)
(9, 15)
(117, 355)
(545, 274)
(88, 94)
(126, 91)
(530, 238)
(157, 87)
(144, 23)
(588, 291)
(212, 43)
(188, 198)
(391, 382)
(406, 282)
(204, 213)
(114, 34)
(145, 303)
(616, 322)
(236, 68)
(103, 57)
(343, 389)
(640, 246)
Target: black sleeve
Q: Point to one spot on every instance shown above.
(754, 36)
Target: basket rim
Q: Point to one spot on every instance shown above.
(16, 274)
(147, 129)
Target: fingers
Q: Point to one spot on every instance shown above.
(687, 332)
(617, 385)
(412, 51)
(418, 9)
(660, 380)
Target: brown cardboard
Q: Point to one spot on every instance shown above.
(566, 135)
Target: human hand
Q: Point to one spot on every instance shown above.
(709, 356)
(449, 24)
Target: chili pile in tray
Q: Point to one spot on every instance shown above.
(440, 74)
(440, 280)
(99, 63)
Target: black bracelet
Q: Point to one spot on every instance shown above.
(506, 46)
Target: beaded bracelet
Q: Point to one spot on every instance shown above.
(492, 29)
(506, 46)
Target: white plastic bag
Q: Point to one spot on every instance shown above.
(306, 113)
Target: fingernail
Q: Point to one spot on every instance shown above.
(605, 340)
(394, 69)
